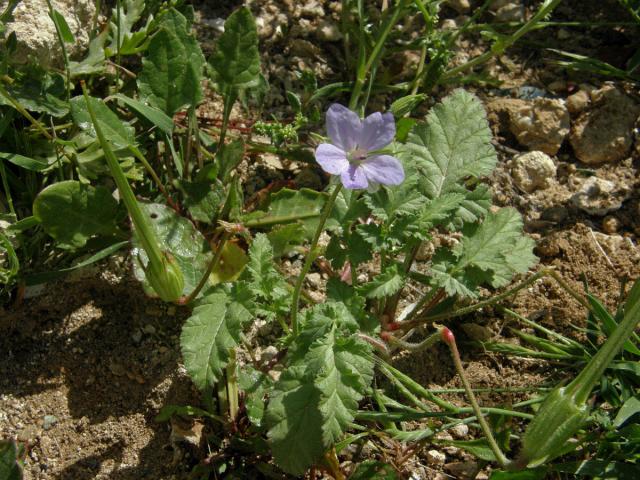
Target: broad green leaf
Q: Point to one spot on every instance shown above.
(172, 69)
(38, 90)
(154, 115)
(177, 236)
(295, 433)
(72, 213)
(342, 371)
(265, 281)
(235, 62)
(451, 146)
(202, 199)
(285, 238)
(317, 396)
(119, 133)
(33, 164)
(287, 206)
(231, 264)
(478, 447)
(384, 285)
(208, 335)
(94, 62)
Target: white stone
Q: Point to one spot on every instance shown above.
(460, 431)
(435, 457)
(36, 33)
(532, 170)
(598, 196)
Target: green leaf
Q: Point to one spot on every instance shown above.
(609, 324)
(374, 470)
(256, 385)
(154, 115)
(266, 282)
(117, 132)
(630, 408)
(94, 62)
(72, 213)
(453, 145)
(479, 448)
(235, 62)
(287, 206)
(38, 90)
(406, 104)
(384, 285)
(295, 433)
(10, 464)
(169, 411)
(178, 237)
(33, 164)
(172, 69)
(535, 474)
(122, 32)
(317, 397)
(208, 335)
(202, 199)
(62, 25)
(285, 238)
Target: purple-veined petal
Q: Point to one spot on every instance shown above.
(343, 127)
(378, 130)
(383, 169)
(331, 159)
(354, 178)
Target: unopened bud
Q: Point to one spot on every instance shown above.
(558, 419)
(166, 279)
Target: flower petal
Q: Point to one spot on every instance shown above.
(343, 127)
(354, 178)
(378, 130)
(383, 169)
(331, 159)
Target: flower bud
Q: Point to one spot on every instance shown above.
(166, 278)
(558, 419)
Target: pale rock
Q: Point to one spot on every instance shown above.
(449, 24)
(610, 224)
(541, 125)
(268, 354)
(598, 196)
(578, 102)
(498, 4)
(314, 280)
(36, 33)
(604, 133)
(328, 31)
(511, 12)
(532, 170)
(435, 457)
(312, 9)
(460, 431)
(460, 6)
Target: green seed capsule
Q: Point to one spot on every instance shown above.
(558, 419)
(166, 279)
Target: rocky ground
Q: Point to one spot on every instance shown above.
(87, 363)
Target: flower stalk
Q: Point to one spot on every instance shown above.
(162, 272)
(311, 257)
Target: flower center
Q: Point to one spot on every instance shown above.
(357, 156)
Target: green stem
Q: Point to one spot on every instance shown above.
(415, 347)
(143, 229)
(275, 220)
(450, 340)
(232, 385)
(501, 45)
(24, 113)
(5, 185)
(582, 385)
(311, 257)
(65, 56)
(364, 68)
(138, 154)
(212, 265)
(229, 100)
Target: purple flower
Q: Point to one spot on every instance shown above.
(353, 153)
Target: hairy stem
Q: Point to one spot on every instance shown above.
(311, 257)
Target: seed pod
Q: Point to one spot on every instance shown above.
(558, 419)
(166, 278)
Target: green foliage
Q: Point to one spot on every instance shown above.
(124, 40)
(452, 147)
(208, 335)
(383, 285)
(329, 370)
(10, 460)
(118, 133)
(172, 69)
(178, 237)
(154, 115)
(235, 63)
(72, 213)
(264, 281)
(38, 90)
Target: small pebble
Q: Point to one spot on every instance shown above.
(435, 457)
(610, 224)
(49, 421)
(460, 431)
